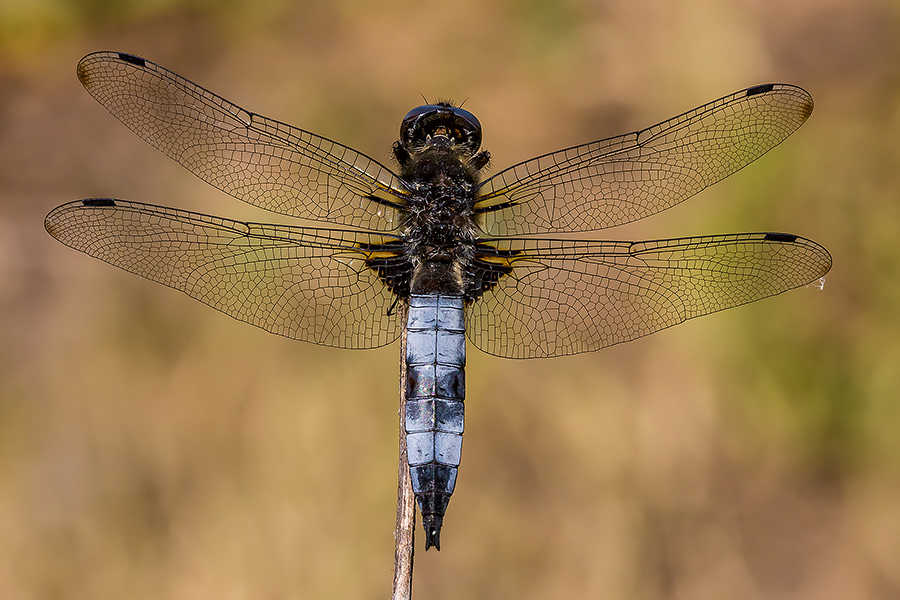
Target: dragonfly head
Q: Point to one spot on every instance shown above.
(441, 123)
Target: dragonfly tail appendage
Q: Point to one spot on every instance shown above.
(432, 525)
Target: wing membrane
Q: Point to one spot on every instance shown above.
(302, 283)
(261, 161)
(566, 297)
(622, 179)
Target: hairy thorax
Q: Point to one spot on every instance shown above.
(440, 230)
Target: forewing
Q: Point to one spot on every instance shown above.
(255, 159)
(622, 179)
(564, 297)
(302, 283)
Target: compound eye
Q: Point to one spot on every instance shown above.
(425, 121)
(469, 130)
(409, 125)
(419, 111)
(471, 120)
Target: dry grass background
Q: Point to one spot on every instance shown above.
(153, 448)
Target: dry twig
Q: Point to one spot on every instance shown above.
(404, 532)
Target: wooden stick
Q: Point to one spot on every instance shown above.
(404, 532)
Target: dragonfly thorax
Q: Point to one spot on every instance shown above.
(440, 234)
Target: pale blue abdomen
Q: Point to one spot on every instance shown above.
(435, 391)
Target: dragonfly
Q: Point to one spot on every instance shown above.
(431, 246)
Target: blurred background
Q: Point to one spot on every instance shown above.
(151, 447)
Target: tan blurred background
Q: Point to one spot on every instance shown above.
(151, 447)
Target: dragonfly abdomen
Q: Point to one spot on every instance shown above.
(435, 392)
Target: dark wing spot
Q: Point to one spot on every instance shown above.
(761, 89)
(780, 237)
(131, 58)
(98, 202)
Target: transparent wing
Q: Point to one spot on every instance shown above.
(629, 177)
(307, 284)
(564, 296)
(255, 159)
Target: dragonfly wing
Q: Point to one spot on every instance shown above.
(565, 297)
(622, 179)
(314, 285)
(261, 161)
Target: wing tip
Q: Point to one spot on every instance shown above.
(56, 218)
(85, 65)
(802, 97)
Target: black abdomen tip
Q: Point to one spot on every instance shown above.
(432, 525)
